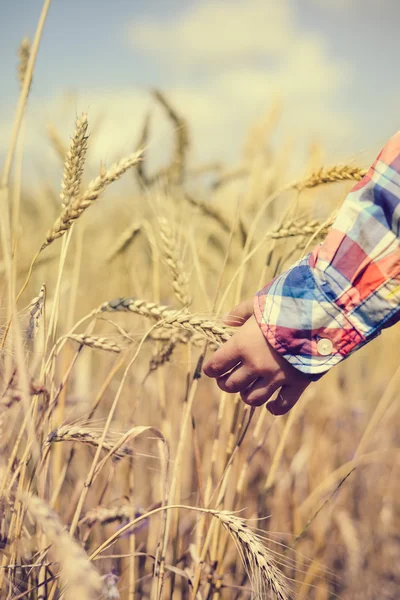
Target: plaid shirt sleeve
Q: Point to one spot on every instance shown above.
(340, 296)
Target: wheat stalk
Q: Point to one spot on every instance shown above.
(125, 240)
(74, 162)
(95, 188)
(231, 175)
(77, 574)
(58, 144)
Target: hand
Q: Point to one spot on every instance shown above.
(248, 364)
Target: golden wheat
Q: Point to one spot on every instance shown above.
(74, 162)
(24, 52)
(95, 189)
(77, 574)
(86, 435)
(332, 174)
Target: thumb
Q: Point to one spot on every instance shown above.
(238, 315)
(287, 398)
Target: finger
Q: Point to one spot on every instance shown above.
(238, 379)
(286, 399)
(239, 315)
(223, 360)
(259, 392)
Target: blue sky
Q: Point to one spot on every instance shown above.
(222, 62)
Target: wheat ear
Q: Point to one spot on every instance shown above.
(89, 436)
(331, 175)
(74, 162)
(259, 563)
(142, 143)
(302, 227)
(175, 172)
(164, 354)
(100, 343)
(95, 188)
(77, 574)
(180, 279)
(24, 52)
(212, 331)
(210, 211)
(35, 308)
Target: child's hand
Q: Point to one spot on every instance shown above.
(249, 365)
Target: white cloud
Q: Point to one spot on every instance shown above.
(230, 61)
(216, 32)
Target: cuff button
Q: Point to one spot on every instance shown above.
(324, 347)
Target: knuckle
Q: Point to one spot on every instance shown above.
(254, 363)
(211, 368)
(224, 384)
(230, 386)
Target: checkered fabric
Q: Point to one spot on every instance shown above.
(340, 296)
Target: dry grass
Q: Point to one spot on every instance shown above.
(124, 473)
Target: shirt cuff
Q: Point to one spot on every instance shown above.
(302, 324)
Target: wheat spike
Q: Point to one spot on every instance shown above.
(164, 354)
(35, 311)
(86, 435)
(175, 172)
(331, 175)
(231, 175)
(302, 227)
(110, 587)
(210, 211)
(142, 143)
(95, 188)
(74, 162)
(259, 563)
(104, 516)
(24, 52)
(77, 574)
(139, 307)
(100, 343)
(212, 331)
(180, 279)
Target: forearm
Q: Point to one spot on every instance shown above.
(347, 290)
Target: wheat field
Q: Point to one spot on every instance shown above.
(124, 471)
